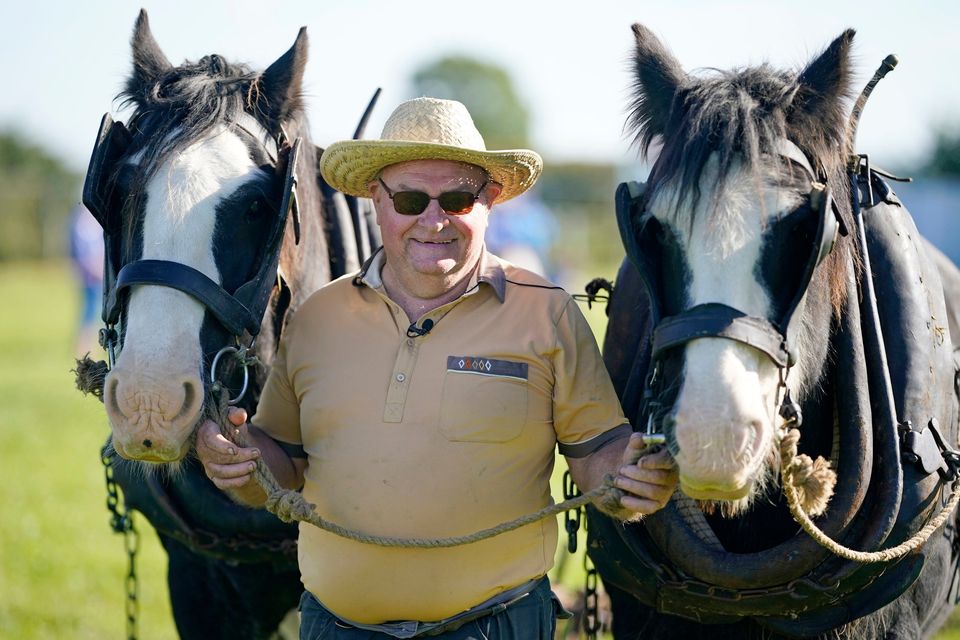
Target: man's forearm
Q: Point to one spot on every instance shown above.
(589, 472)
(283, 467)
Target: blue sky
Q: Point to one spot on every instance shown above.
(65, 61)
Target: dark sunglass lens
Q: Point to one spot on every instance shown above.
(410, 203)
(456, 202)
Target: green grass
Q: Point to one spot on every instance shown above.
(61, 567)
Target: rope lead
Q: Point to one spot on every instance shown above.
(291, 506)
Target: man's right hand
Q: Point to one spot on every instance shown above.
(229, 467)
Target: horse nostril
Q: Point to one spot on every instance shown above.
(110, 395)
(190, 398)
(147, 443)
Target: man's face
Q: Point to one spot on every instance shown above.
(434, 246)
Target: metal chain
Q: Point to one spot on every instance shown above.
(591, 605)
(571, 517)
(121, 521)
(572, 521)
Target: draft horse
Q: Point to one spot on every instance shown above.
(747, 304)
(217, 227)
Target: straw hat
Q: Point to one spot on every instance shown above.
(426, 129)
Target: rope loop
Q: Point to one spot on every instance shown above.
(796, 474)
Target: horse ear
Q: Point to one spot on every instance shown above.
(658, 78)
(148, 60)
(822, 87)
(280, 86)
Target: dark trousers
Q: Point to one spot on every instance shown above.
(532, 617)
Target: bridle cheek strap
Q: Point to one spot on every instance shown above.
(716, 320)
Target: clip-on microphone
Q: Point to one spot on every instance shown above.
(413, 331)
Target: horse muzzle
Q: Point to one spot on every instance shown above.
(152, 419)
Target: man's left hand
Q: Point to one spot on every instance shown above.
(649, 482)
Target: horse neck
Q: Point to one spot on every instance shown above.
(816, 329)
(305, 267)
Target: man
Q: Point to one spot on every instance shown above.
(424, 396)
(86, 254)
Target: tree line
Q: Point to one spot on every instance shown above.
(37, 190)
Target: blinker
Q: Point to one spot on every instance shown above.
(99, 194)
(290, 205)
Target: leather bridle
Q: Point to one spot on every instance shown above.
(239, 312)
(775, 339)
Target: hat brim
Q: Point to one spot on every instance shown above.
(350, 166)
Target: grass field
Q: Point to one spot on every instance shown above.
(61, 567)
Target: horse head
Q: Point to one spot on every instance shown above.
(200, 180)
(739, 213)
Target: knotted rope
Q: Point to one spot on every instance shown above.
(808, 485)
(291, 506)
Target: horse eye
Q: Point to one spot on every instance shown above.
(256, 209)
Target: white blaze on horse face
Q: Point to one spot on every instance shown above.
(724, 413)
(154, 394)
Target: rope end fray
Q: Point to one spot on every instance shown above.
(813, 480)
(608, 500)
(608, 495)
(805, 483)
(90, 376)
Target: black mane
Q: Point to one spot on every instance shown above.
(183, 103)
(735, 114)
(738, 114)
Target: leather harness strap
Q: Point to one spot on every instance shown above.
(715, 320)
(231, 313)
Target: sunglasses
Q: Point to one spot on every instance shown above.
(413, 203)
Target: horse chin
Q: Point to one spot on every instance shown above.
(714, 494)
(734, 506)
(144, 469)
(155, 454)
(728, 509)
(733, 484)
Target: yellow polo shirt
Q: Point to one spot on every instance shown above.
(439, 435)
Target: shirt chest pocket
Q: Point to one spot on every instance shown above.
(483, 407)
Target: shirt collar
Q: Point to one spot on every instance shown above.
(489, 271)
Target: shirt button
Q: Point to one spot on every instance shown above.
(410, 342)
(401, 377)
